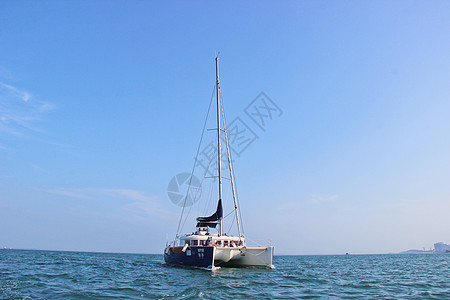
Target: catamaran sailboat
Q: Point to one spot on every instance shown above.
(203, 248)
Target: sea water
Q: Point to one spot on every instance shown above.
(27, 274)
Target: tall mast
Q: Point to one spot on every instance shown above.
(219, 158)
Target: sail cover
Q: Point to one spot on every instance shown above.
(214, 217)
(207, 224)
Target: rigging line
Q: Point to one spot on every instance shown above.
(208, 163)
(208, 115)
(231, 223)
(195, 161)
(237, 197)
(238, 202)
(229, 214)
(191, 206)
(257, 243)
(208, 208)
(233, 183)
(233, 175)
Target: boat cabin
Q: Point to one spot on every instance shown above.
(198, 239)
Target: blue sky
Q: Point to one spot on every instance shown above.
(102, 103)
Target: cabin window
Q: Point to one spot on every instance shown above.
(225, 243)
(201, 255)
(188, 253)
(194, 242)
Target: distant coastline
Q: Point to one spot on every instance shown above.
(438, 248)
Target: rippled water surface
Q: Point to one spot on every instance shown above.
(74, 275)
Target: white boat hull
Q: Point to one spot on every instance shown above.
(243, 257)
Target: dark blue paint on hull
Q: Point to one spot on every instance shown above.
(199, 257)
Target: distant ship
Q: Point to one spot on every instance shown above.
(205, 249)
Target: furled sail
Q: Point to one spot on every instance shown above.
(211, 221)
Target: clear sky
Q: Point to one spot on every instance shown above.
(103, 102)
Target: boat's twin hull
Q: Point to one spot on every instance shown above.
(209, 256)
(245, 257)
(195, 256)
